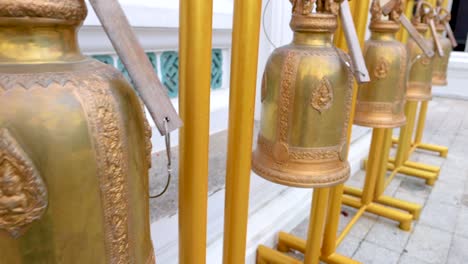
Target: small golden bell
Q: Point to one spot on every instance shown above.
(440, 67)
(306, 101)
(420, 75)
(380, 103)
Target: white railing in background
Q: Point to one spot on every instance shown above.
(156, 23)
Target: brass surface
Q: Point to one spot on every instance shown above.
(420, 73)
(69, 10)
(440, 64)
(306, 101)
(380, 103)
(78, 129)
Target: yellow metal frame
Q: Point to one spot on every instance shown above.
(245, 41)
(194, 100)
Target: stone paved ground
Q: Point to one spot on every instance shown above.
(441, 234)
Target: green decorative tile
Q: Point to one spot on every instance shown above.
(124, 71)
(107, 59)
(216, 69)
(170, 72)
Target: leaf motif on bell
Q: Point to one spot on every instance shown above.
(381, 70)
(23, 194)
(322, 95)
(425, 61)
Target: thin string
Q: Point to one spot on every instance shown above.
(264, 26)
(167, 138)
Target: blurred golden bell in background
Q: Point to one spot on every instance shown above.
(380, 103)
(74, 145)
(420, 74)
(440, 67)
(306, 101)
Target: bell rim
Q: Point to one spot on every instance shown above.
(334, 176)
(439, 82)
(401, 121)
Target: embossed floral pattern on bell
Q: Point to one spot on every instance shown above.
(322, 95)
(305, 108)
(380, 103)
(23, 194)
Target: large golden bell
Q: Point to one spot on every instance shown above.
(420, 74)
(306, 99)
(440, 66)
(380, 103)
(74, 146)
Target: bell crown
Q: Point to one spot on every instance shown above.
(69, 10)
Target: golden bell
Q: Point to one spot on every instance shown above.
(306, 100)
(74, 145)
(440, 66)
(380, 103)
(420, 74)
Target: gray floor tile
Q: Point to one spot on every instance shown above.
(385, 234)
(429, 244)
(370, 253)
(414, 186)
(447, 193)
(462, 222)
(349, 246)
(405, 259)
(439, 215)
(458, 253)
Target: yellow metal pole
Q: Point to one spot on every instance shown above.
(445, 4)
(360, 14)
(421, 122)
(383, 163)
(406, 133)
(316, 225)
(194, 82)
(333, 220)
(373, 165)
(267, 255)
(244, 59)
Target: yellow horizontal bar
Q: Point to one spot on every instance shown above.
(404, 218)
(412, 208)
(287, 242)
(267, 255)
(349, 190)
(443, 151)
(352, 201)
(339, 259)
(418, 173)
(418, 165)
